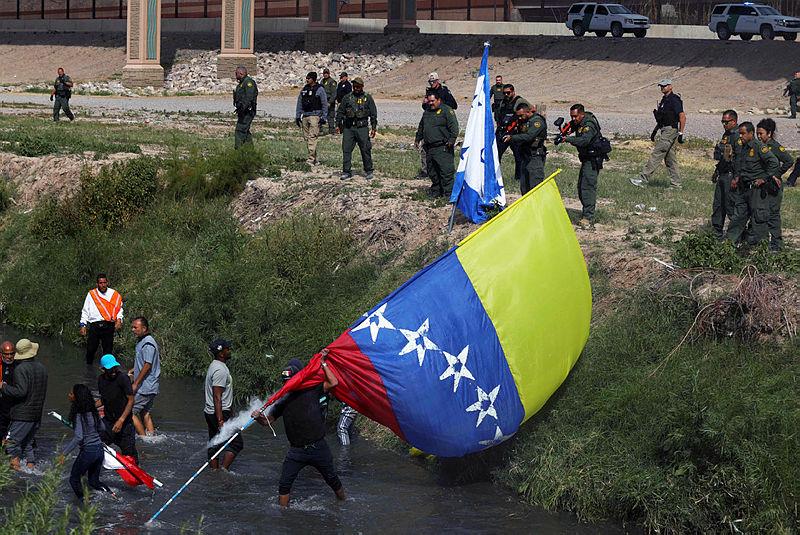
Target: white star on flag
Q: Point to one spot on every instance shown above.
(498, 438)
(456, 361)
(375, 322)
(483, 397)
(417, 340)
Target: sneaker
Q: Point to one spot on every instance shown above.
(638, 182)
(676, 186)
(585, 223)
(346, 176)
(368, 176)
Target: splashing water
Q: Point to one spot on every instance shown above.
(234, 424)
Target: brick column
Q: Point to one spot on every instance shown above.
(402, 17)
(143, 62)
(238, 21)
(323, 31)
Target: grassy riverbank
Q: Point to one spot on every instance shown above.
(700, 440)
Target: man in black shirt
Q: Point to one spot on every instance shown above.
(305, 428)
(670, 122)
(116, 397)
(9, 350)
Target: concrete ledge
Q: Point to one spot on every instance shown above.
(143, 76)
(227, 63)
(346, 25)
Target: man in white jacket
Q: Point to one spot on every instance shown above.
(101, 317)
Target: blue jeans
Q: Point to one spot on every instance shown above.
(89, 461)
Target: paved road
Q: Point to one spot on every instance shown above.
(394, 112)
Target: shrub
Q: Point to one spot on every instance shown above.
(220, 174)
(26, 144)
(702, 250)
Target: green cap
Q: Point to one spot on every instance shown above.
(358, 81)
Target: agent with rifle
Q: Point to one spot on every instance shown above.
(61, 93)
(245, 99)
(528, 141)
(506, 118)
(727, 153)
(583, 132)
(670, 124)
(357, 119)
(793, 91)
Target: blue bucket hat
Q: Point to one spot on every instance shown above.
(108, 362)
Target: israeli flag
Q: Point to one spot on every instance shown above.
(479, 182)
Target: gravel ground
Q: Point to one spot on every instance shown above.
(393, 112)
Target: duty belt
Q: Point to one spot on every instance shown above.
(435, 144)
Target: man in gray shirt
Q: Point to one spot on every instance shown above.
(146, 373)
(219, 399)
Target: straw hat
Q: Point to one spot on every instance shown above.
(26, 349)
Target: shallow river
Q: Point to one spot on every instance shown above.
(386, 492)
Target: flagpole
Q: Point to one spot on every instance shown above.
(108, 449)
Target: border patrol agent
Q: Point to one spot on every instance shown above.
(310, 112)
(245, 98)
(765, 130)
(586, 129)
(727, 153)
(356, 114)
(438, 129)
(527, 140)
(758, 165)
(670, 123)
(330, 86)
(61, 93)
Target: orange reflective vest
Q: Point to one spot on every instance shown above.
(108, 309)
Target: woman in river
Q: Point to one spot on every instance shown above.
(86, 422)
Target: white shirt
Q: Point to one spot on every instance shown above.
(90, 314)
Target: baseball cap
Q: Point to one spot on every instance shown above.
(665, 82)
(358, 81)
(292, 367)
(108, 362)
(312, 75)
(344, 73)
(326, 71)
(218, 345)
(433, 76)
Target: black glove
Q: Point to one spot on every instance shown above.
(558, 140)
(51, 98)
(449, 145)
(653, 134)
(680, 139)
(297, 121)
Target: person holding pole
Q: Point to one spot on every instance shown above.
(219, 399)
(305, 429)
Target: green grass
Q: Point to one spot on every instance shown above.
(706, 444)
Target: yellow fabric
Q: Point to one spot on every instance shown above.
(528, 269)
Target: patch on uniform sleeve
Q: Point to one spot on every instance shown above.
(452, 112)
(782, 148)
(751, 153)
(739, 142)
(585, 129)
(439, 111)
(537, 124)
(765, 149)
(249, 84)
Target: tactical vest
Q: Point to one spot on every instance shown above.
(61, 87)
(666, 117)
(309, 99)
(725, 151)
(508, 113)
(357, 112)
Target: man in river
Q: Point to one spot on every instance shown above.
(146, 373)
(305, 429)
(219, 399)
(9, 350)
(116, 396)
(101, 317)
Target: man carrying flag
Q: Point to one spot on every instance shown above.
(101, 316)
(479, 182)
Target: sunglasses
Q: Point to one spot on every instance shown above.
(726, 121)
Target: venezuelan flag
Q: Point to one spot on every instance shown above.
(473, 345)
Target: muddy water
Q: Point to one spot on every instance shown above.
(386, 492)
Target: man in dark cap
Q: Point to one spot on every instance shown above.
(358, 121)
(305, 428)
(330, 85)
(343, 88)
(310, 113)
(219, 400)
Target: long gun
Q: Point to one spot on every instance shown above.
(564, 129)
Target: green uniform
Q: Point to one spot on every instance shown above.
(793, 88)
(528, 142)
(245, 98)
(356, 114)
(775, 196)
(438, 129)
(330, 86)
(757, 162)
(727, 153)
(62, 96)
(505, 117)
(585, 134)
(497, 98)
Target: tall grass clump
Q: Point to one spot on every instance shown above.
(705, 443)
(702, 250)
(221, 173)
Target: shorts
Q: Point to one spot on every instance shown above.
(236, 445)
(143, 403)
